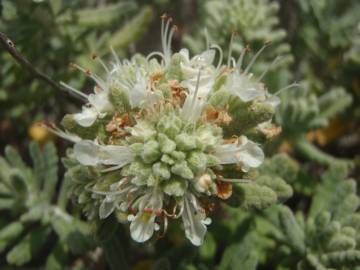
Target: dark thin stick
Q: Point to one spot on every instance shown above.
(9, 46)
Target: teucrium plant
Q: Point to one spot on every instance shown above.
(166, 136)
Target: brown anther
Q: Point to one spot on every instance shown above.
(247, 49)
(218, 116)
(117, 124)
(154, 79)
(175, 28)
(93, 56)
(271, 131)
(88, 72)
(72, 65)
(148, 210)
(224, 189)
(267, 43)
(178, 92)
(164, 16)
(209, 207)
(231, 140)
(211, 114)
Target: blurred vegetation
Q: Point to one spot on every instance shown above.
(312, 221)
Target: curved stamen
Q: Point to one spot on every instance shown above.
(207, 38)
(94, 56)
(218, 48)
(269, 67)
(62, 134)
(295, 84)
(255, 57)
(196, 90)
(231, 47)
(241, 57)
(98, 81)
(168, 45)
(75, 91)
(117, 60)
(154, 54)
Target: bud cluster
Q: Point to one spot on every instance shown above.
(159, 135)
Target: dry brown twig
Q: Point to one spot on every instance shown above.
(9, 46)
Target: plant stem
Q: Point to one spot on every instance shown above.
(9, 46)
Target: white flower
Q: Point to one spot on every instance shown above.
(90, 153)
(143, 225)
(199, 79)
(142, 130)
(190, 67)
(98, 104)
(243, 86)
(244, 152)
(194, 219)
(134, 82)
(62, 134)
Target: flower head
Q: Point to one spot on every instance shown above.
(162, 131)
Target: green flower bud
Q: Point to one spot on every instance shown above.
(197, 161)
(137, 148)
(162, 170)
(178, 155)
(170, 125)
(212, 160)
(151, 152)
(175, 187)
(182, 170)
(185, 142)
(167, 159)
(166, 145)
(151, 180)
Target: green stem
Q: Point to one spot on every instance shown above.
(315, 154)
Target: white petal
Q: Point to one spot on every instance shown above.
(115, 155)
(137, 95)
(143, 130)
(249, 154)
(142, 227)
(100, 101)
(193, 218)
(185, 53)
(106, 208)
(87, 117)
(87, 153)
(204, 59)
(274, 101)
(245, 88)
(248, 94)
(91, 154)
(226, 153)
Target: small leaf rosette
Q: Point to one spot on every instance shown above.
(164, 136)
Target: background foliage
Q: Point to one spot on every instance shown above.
(308, 218)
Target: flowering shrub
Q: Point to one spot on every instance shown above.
(167, 135)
